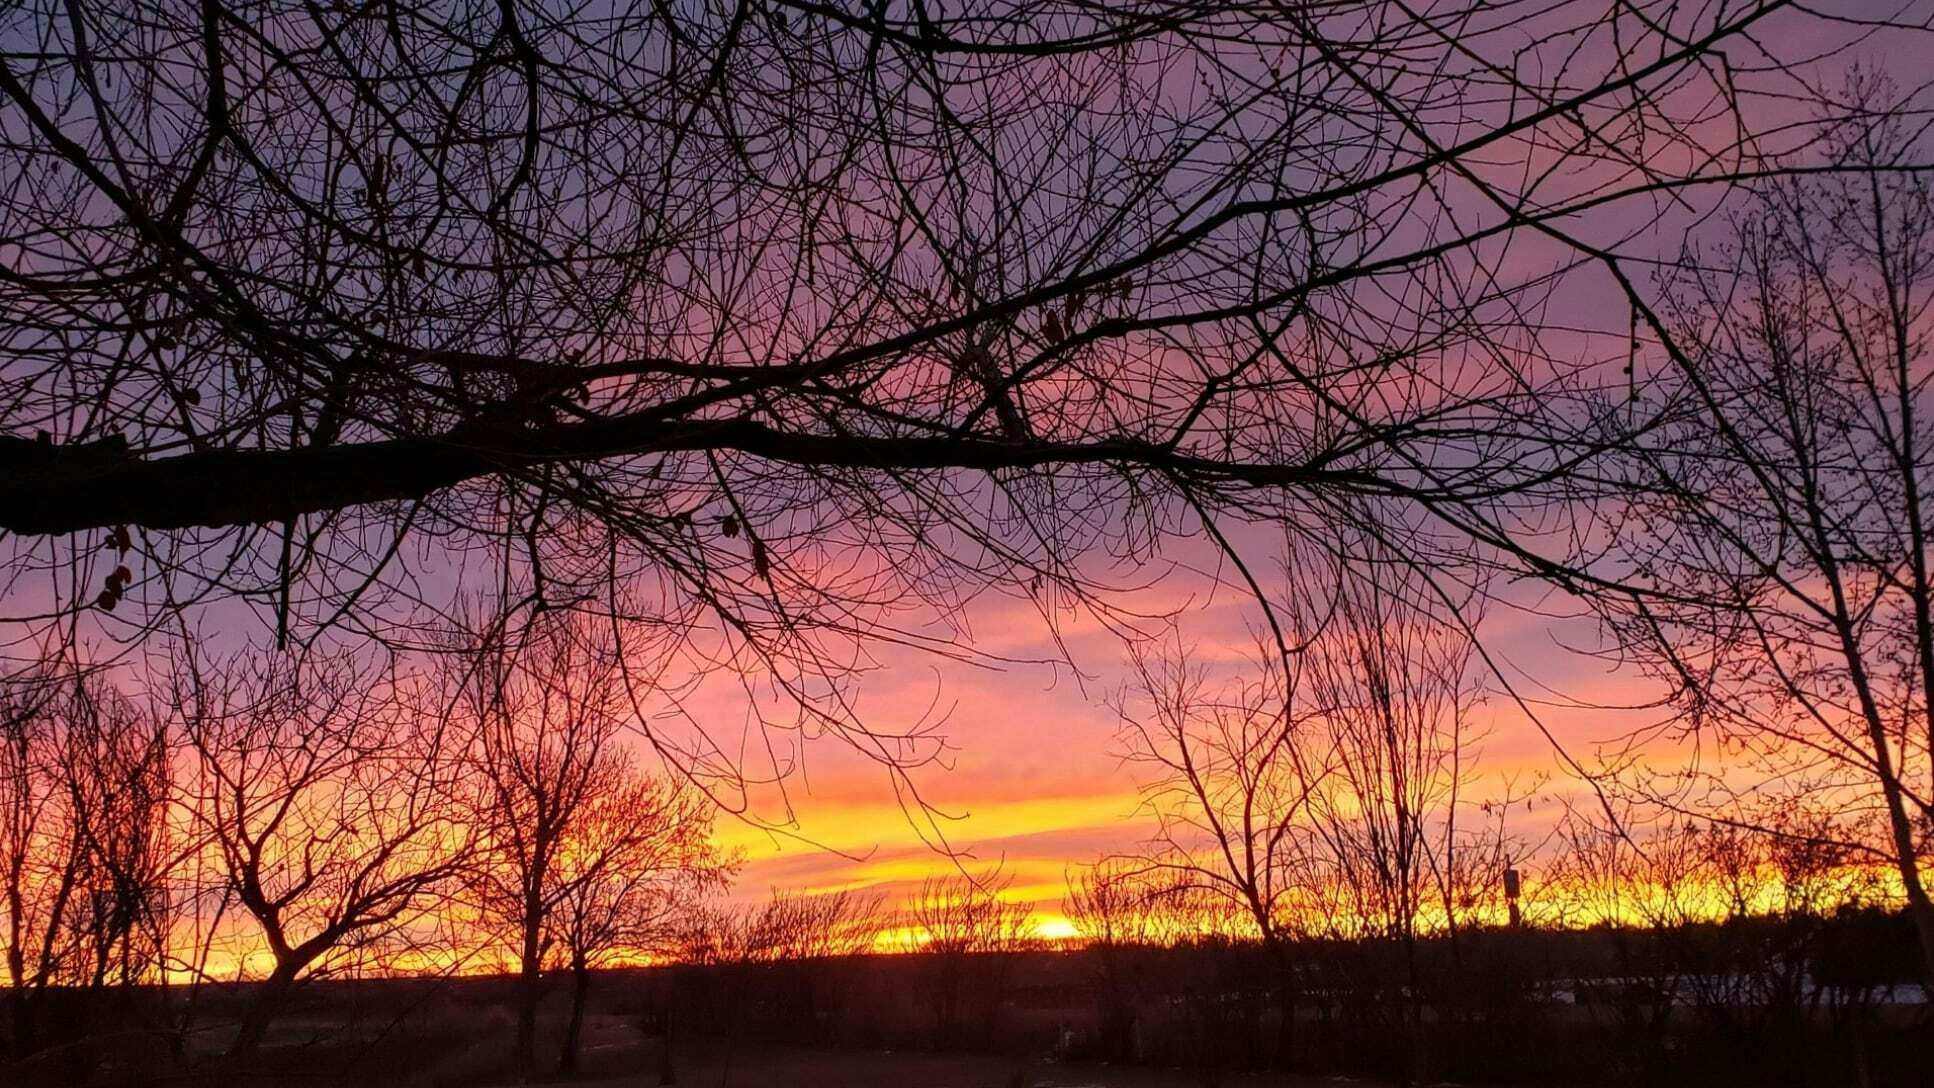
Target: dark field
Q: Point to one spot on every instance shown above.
(1711, 1007)
(719, 1062)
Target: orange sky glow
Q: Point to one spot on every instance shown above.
(1035, 783)
(1034, 779)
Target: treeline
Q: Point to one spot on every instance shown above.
(1683, 952)
(1681, 955)
(281, 817)
(334, 821)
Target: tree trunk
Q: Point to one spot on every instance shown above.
(667, 1072)
(24, 1041)
(256, 1019)
(529, 994)
(1906, 856)
(567, 1062)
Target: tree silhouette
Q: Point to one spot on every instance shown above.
(327, 794)
(780, 330)
(576, 848)
(1775, 517)
(84, 789)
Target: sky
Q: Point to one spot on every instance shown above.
(1037, 782)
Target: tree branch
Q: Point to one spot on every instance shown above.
(48, 490)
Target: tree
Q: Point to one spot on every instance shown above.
(1119, 917)
(1229, 774)
(1112, 905)
(327, 792)
(786, 960)
(84, 789)
(640, 855)
(1319, 793)
(810, 926)
(1778, 523)
(966, 915)
(1390, 681)
(781, 329)
(577, 849)
(545, 711)
(1641, 888)
(963, 929)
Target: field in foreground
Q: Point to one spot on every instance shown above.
(1740, 1006)
(721, 1064)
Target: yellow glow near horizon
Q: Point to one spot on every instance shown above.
(1054, 926)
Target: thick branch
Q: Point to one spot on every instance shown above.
(47, 494)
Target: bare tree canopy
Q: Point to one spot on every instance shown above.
(790, 313)
(329, 801)
(1776, 519)
(579, 850)
(702, 343)
(83, 787)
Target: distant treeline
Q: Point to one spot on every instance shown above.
(1761, 1000)
(1794, 999)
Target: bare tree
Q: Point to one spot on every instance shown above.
(963, 928)
(1778, 518)
(327, 793)
(1320, 793)
(639, 855)
(966, 914)
(84, 782)
(787, 960)
(1111, 903)
(581, 857)
(806, 926)
(781, 329)
(1120, 915)
(1390, 681)
(544, 707)
(1231, 770)
(1641, 887)
(787, 926)
(1230, 779)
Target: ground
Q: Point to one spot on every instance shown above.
(616, 1057)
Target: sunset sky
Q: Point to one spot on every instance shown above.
(1249, 288)
(1151, 539)
(1036, 782)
